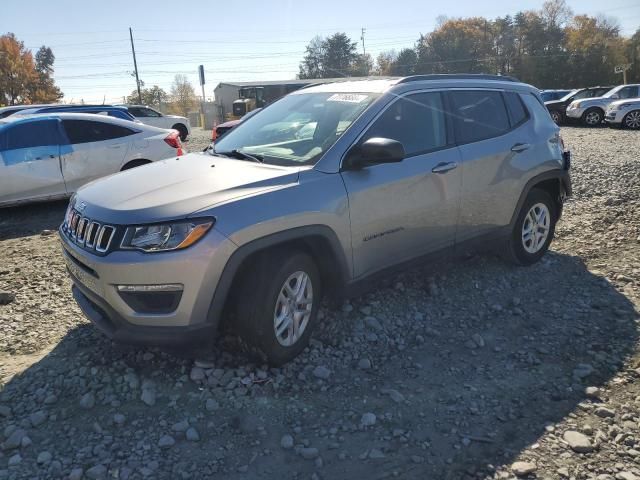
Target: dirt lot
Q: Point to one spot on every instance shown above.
(474, 369)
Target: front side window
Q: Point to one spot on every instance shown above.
(478, 115)
(416, 121)
(30, 135)
(628, 92)
(295, 130)
(83, 131)
(147, 112)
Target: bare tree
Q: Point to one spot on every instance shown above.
(183, 96)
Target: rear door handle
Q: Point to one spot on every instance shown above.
(444, 167)
(520, 147)
(115, 146)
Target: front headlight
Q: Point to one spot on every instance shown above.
(166, 236)
(576, 104)
(620, 107)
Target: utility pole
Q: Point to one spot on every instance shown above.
(364, 51)
(135, 66)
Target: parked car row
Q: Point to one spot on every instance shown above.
(615, 105)
(139, 113)
(49, 156)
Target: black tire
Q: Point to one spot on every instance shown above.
(256, 304)
(134, 164)
(516, 251)
(593, 117)
(182, 130)
(556, 116)
(628, 120)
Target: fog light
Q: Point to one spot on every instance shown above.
(167, 287)
(152, 299)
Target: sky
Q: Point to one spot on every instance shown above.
(235, 41)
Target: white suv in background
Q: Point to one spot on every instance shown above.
(153, 117)
(45, 157)
(591, 111)
(624, 113)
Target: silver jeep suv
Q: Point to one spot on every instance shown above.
(311, 196)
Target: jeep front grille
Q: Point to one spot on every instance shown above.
(87, 233)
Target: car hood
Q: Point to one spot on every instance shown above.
(594, 101)
(178, 187)
(177, 117)
(553, 103)
(632, 101)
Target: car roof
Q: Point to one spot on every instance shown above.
(75, 116)
(415, 82)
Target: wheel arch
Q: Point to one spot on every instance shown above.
(136, 162)
(319, 241)
(556, 183)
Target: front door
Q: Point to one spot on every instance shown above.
(402, 210)
(30, 162)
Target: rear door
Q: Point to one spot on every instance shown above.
(403, 210)
(493, 134)
(30, 161)
(94, 149)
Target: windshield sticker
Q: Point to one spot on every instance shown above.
(347, 97)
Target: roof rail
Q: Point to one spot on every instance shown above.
(458, 76)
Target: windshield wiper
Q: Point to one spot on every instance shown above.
(242, 155)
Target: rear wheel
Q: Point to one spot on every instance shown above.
(556, 116)
(632, 120)
(277, 306)
(592, 117)
(534, 228)
(134, 164)
(182, 130)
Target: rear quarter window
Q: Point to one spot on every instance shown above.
(517, 112)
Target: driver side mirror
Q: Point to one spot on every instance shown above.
(374, 151)
(615, 95)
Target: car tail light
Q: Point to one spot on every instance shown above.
(173, 140)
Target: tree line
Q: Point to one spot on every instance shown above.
(548, 48)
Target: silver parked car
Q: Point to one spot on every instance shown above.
(45, 157)
(624, 113)
(591, 111)
(262, 226)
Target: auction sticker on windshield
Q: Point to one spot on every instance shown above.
(347, 97)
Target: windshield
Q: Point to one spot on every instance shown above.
(612, 91)
(296, 130)
(572, 92)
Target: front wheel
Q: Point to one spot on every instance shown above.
(632, 120)
(556, 116)
(278, 305)
(534, 228)
(592, 117)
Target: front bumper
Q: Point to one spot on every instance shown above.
(614, 116)
(197, 268)
(575, 112)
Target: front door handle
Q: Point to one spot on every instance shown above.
(444, 167)
(118, 145)
(520, 147)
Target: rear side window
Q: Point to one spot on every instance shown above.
(30, 135)
(83, 131)
(478, 115)
(517, 113)
(417, 121)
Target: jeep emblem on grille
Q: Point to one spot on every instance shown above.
(81, 207)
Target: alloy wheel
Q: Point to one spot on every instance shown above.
(535, 228)
(293, 308)
(555, 116)
(632, 120)
(593, 118)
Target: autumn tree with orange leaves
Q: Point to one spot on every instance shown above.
(23, 78)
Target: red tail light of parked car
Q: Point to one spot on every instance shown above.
(173, 140)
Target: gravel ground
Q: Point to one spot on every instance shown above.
(474, 369)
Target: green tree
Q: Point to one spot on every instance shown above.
(154, 96)
(334, 56)
(362, 66)
(406, 62)
(384, 61)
